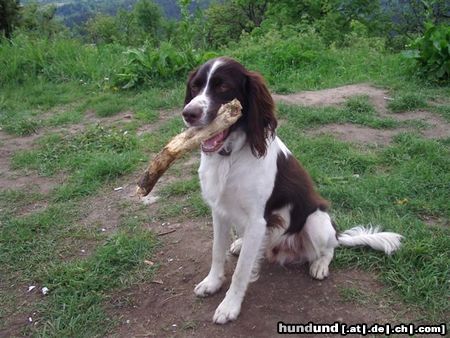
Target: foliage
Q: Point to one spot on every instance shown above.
(40, 20)
(432, 53)
(225, 23)
(9, 16)
(331, 19)
(149, 17)
(57, 59)
(102, 29)
(151, 65)
(409, 17)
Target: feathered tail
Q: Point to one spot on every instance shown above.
(372, 237)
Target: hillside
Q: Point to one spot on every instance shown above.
(76, 12)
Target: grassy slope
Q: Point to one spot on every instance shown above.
(397, 186)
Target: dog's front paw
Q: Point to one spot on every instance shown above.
(208, 286)
(227, 311)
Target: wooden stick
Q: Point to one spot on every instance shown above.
(190, 139)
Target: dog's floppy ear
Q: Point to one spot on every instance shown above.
(188, 97)
(259, 114)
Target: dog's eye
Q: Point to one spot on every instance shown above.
(223, 87)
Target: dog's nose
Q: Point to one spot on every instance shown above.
(192, 113)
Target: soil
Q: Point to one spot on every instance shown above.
(166, 306)
(335, 96)
(438, 128)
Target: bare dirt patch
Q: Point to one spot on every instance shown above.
(167, 305)
(438, 127)
(335, 96)
(12, 179)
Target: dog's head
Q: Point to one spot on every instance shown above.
(219, 81)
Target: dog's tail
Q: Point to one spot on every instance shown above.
(388, 242)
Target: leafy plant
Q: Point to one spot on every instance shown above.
(432, 52)
(150, 65)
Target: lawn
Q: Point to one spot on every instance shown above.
(84, 238)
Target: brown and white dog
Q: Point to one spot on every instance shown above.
(252, 182)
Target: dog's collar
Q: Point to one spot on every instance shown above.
(225, 152)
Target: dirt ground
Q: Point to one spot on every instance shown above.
(167, 306)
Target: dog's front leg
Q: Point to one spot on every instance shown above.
(213, 282)
(251, 244)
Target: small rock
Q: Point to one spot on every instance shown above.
(44, 290)
(31, 288)
(118, 189)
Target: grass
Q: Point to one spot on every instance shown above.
(79, 288)
(407, 102)
(357, 110)
(397, 186)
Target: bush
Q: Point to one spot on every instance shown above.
(432, 53)
(149, 65)
(278, 51)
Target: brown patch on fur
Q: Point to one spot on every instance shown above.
(294, 187)
(258, 114)
(275, 221)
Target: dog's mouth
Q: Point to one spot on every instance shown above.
(216, 142)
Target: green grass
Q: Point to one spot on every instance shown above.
(356, 110)
(54, 83)
(407, 102)
(78, 289)
(93, 157)
(395, 188)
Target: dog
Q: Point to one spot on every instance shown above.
(251, 181)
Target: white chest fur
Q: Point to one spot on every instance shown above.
(239, 185)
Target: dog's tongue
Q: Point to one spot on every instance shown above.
(214, 142)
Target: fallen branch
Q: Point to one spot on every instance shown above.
(190, 139)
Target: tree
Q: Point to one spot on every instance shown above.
(9, 16)
(102, 29)
(225, 22)
(40, 19)
(149, 17)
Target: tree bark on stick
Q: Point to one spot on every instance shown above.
(188, 140)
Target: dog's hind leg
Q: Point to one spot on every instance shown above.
(235, 247)
(216, 276)
(320, 241)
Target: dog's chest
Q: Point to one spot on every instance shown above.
(241, 183)
(215, 179)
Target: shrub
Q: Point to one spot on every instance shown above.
(432, 52)
(151, 65)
